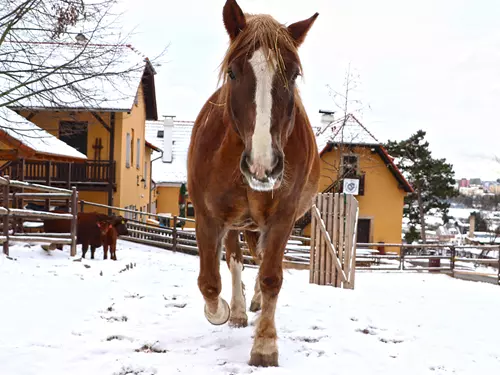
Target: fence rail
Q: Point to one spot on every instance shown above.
(13, 217)
(445, 258)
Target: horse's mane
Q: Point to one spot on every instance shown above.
(261, 30)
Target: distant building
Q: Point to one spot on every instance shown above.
(463, 183)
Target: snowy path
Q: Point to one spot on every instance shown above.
(60, 317)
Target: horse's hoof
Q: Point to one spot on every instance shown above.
(238, 321)
(264, 360)
(221, 316)
(254, 306)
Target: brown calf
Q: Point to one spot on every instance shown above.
(109, 235)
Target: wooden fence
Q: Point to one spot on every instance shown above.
(364, 256)
(333, 240)
(13, 217)
(176, 238)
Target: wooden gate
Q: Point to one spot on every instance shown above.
(334, 224)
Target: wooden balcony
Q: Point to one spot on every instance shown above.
(91, 175)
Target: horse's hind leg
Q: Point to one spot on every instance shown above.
(234, 259)
(252, 239)
(209, 237)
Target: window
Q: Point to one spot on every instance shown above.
(190, 210)
(138, 158)
(350, 164)
(74, 134)
(127, 157)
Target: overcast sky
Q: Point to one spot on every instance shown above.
(428, 64)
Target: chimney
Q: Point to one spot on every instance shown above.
(326, 116)
(168, 141)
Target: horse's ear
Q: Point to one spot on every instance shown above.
(298, 30)
(234, 19)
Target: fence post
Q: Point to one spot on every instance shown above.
(402, 258)
(74, 220)
(6, 191)
(174, 234)
(498, 279)
(452, 260)
(82, 205)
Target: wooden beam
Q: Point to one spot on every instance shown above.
(31, 115)
(111, 170)
(9, 154)
(101, 121)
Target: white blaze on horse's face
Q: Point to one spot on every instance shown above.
(262, 151)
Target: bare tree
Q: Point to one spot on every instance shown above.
(65, 54)
(345, 130)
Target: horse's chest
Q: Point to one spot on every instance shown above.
(238, 210)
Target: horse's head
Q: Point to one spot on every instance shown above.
(259, 73)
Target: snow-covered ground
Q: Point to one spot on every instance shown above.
(59, 316)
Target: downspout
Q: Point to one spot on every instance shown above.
(151, 182)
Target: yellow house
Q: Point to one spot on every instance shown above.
(106, 131)
(169, 166)
(355, 162)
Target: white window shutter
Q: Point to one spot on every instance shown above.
(138, 157)
(127, 157)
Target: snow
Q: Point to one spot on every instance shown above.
(98, 76)
(34, 137)
(61, 316)
(176, 171)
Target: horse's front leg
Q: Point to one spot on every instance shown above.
(252, 239)
(234, 259)
(209, 235)
(265, 348)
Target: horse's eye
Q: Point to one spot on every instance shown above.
(231, 74)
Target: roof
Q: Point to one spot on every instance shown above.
(176, 171)
(152, 146)
(74, 76)
(350, 131)
(25, 137)
(353, 132)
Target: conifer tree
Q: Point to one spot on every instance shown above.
(432, 179)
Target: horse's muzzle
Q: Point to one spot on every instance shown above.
(259, 177)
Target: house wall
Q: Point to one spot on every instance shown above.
(382, 201)
(100, 197)
(132, 191)
(49, 121)
(167, 199)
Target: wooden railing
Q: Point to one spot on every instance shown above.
(90, 172)
(13, 218)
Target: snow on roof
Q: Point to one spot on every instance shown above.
(176, 171)
(350, 131)
(98, 76)
(33, 137)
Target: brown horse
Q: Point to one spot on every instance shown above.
(253, 165)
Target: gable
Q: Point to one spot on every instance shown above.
(372, 159)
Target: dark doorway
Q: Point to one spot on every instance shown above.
(75, 134)
(363, 235)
